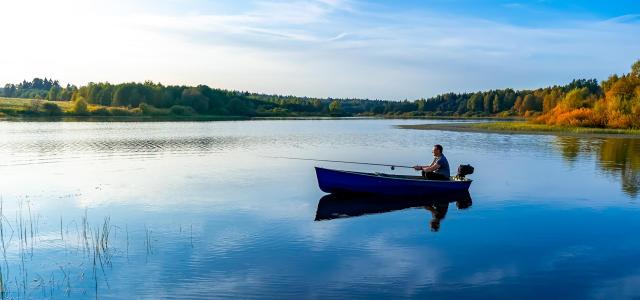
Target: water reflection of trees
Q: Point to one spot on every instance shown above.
(616, 157)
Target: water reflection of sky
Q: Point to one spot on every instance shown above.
(198, 210)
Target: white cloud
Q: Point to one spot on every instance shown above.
(624, 287)
(316, 48)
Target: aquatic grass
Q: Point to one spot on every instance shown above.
(96, 248)
(126, 228)
(2, 286)
(100, 255)
(31, 232)
(66, 279)
(148, 233)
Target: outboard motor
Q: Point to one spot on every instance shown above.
(464, 170)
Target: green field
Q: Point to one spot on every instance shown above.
(20, 108)
(21, 104)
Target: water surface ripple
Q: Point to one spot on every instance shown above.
(201, 210)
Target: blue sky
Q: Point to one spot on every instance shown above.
(325, 48)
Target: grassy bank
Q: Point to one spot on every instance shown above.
(519, 127)
(136, 118)
(45, 110)
(21, 105)
(19, 109)
(531, 127)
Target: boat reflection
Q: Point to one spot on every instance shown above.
(336, 206)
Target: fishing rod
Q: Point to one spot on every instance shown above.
(343, 162)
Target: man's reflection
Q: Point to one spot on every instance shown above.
(439, 211)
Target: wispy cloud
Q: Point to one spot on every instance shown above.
(630, 18)
(340, 48)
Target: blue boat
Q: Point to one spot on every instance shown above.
(338, 181)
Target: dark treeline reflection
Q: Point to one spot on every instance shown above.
(616, 157)
(335, 206)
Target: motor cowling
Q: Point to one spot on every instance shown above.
(464, 170)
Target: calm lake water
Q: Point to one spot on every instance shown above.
(200, 210)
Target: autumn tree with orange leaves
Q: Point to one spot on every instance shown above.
(617, 107)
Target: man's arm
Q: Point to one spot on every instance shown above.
(433, 167)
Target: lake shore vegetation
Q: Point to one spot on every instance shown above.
(613, 103)
(525, 127)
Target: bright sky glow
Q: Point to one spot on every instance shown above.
(325, 48)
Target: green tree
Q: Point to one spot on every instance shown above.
(51, 109)
(530, 103)
(487, 102)
(517, 106)
(421, 104)
(635, 69)
(317, 105)
(53, 93)
(80, 107)
(335, 107)
(9, 90)
(194, 98)
(476, 102)
(121, 95)
(575, 99)
(497, 104)
(509, 99)
(238, 107)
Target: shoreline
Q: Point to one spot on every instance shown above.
(195, 118)
(200, 118)
(529, 129)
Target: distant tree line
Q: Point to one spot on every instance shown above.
(583, 102)
(38, 88)
(205, 100)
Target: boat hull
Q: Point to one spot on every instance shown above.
(337, 181)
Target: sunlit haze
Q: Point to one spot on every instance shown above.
(324, 48)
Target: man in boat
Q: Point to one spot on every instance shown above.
(439, 167)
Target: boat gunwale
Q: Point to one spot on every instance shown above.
(398, 178)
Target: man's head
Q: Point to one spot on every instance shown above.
(437, 150)
(435, 225)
